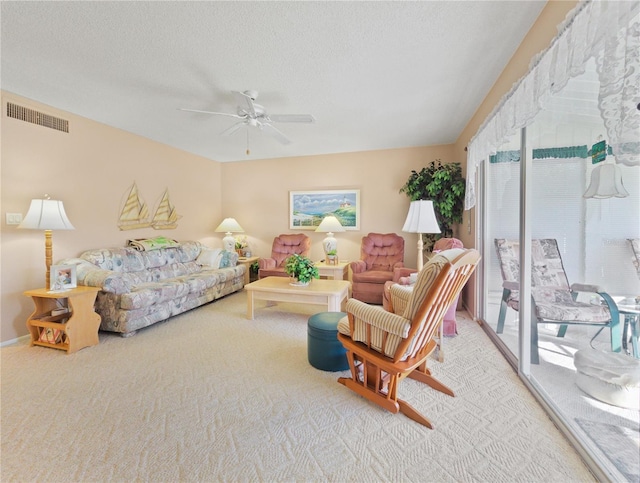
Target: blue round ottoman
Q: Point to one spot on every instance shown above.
(324, 350)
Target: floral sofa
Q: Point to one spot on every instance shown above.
(140, 287)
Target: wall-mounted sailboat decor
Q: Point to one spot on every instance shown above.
(135, 214)
(166, 217)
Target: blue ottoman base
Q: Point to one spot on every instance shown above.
(324, 350)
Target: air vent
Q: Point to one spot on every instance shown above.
(34, 117)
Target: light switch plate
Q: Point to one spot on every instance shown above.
(14, 218)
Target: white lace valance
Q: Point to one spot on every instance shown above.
(609, 31)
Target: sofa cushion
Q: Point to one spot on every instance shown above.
(210, 257)
(147, 294)
(115, 259)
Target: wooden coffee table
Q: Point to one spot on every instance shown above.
(332, 293)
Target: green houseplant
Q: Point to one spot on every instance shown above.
(301, 268)
(253, 271)
(444, 185)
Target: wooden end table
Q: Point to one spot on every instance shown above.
(339, 271)
(247, 261)
(70, 330)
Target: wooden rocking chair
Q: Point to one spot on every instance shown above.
(383, 348)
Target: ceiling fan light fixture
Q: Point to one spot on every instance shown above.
(251, 93)
(255, 115)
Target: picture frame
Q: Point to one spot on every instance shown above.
(308, 208)
(62, 277)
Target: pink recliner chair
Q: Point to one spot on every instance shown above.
(283, 247)
(402, 276)
(380, 255)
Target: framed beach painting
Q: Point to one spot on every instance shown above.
(308, 208)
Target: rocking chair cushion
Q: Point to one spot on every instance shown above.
(400, 295)
(380, 321)
(426, 277)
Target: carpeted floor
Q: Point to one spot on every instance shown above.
(210, 396)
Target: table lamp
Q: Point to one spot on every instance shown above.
(47, 215)
(421, 219)
(229, 226)
(328, 225)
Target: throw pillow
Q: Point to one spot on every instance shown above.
(228, 259)
(210, 257)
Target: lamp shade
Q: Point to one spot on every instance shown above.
(606, 182)
(229, 226)
(46, 215)
(328, 225)
(421, 218)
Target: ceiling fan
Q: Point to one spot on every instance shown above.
(252, 114)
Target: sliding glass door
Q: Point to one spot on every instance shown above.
(553, 175)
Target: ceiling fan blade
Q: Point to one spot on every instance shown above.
(232, 129)
(308, 118)
(274, 133)
(245, 103)
(211, 112)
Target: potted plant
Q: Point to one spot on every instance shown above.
(253, 271)
(301, 268)
(444, 185)
(332, 257)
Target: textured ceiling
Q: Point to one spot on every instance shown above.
(375, 75)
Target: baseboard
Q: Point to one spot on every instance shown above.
(14, 341)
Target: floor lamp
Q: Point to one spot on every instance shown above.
(47, 215)
(421, 219)
(229, 226)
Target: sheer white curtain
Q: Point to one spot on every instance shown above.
(606, 30)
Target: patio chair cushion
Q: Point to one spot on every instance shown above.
(559, 305)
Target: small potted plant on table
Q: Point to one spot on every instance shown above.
(301, 269)
(332, 257)
(242, 247)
